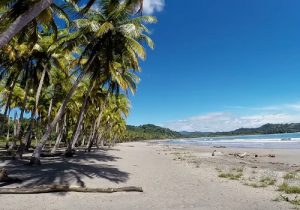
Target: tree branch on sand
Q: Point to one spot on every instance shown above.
(66, 188)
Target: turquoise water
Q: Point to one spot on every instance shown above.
(267, 141)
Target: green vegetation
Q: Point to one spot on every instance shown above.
(147, 132)
(265, 129)
(71, 69)
(264, 182)
(290, 176)
(267, 180)
(289, 189)
(233, 174)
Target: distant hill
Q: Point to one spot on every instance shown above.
(148, 132)
(265, 129)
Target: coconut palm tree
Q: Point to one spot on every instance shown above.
(45, 59)
(33, 9)
(111, 50)
(20, 15)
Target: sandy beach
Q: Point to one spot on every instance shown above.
(172, 177)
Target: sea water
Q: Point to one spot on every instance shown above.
(266, 141)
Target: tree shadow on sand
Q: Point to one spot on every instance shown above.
(60, 170)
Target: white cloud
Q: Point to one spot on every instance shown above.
(228, 121)
(151, 6)
(280, 107)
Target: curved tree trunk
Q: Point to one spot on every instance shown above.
(15, 123)
(19, 133)
(8, 127)
(13, 144)
(88, 147)
(35, 158)
(35, 110)
(83, 109)
(39, 90)
(91, 142)
(7, 109)
(7, 105)
(28, 135)
(23, 20)
(49, 112)
(83, 140)
(95, 130)
(58, 139)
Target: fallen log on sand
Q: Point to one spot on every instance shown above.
(271, 155)
(241, 155)
(213, 153)
(66, 188)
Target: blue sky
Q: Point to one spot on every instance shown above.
(220, 65)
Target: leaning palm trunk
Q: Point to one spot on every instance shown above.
(19, 133)
(83, 109)
(58, 139)
(97, 125)
(90, 141)
(100, 141)
(49, 112)
(95, 129)
(39, 90)
(23, 20)
(9, 97)
(28, 135)
(8, 127)
(35, 110)
(13, 142)
(35, 158)
(15, 123)
(7, 109)
(83, 140)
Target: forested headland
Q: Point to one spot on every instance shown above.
(145, 132)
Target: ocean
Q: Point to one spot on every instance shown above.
(266, 141)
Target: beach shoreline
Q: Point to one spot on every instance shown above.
(172, 177)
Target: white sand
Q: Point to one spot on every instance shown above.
(167, 184)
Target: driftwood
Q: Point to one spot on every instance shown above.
(5, 178)
(213, 153)
(240, 155)
(271, 155)
(66, 188)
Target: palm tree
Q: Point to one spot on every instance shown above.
(114, 118)
(111, 51)
(24, 14)
(46, 59)
(21, 54)
(35, 9)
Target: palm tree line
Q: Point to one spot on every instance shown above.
(71, 68)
